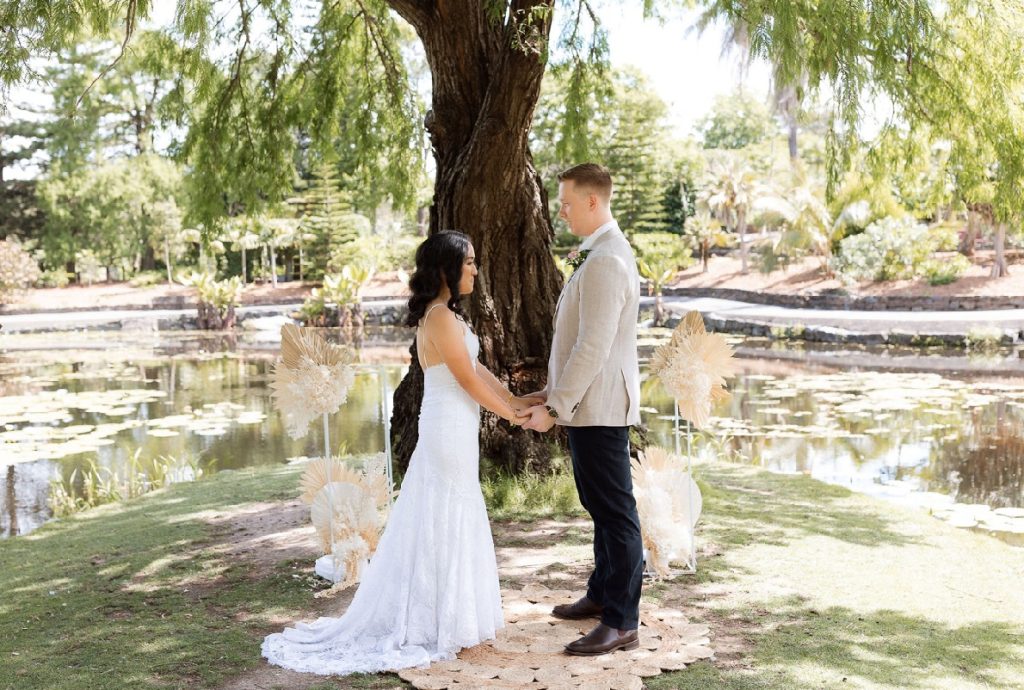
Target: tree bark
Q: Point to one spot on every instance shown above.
(486, 84)
(12, 504)
(167, 260)
(967, 242)
(999, 267)
(741, 228)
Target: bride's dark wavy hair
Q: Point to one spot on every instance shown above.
(443, 253)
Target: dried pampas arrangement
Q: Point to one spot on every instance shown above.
(669, 503)
(311, 378)
(693, 366)
(346, 508)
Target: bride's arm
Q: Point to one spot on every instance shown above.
(448, 336)
(517, 403)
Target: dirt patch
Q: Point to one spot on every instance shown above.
(123, 295)
(261, 535)
(805, 277)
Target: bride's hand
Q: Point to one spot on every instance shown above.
(520, 404)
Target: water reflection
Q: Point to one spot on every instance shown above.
(210, 407)
(206, 398)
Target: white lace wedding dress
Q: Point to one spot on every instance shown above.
(431, 587)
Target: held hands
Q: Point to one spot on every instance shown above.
(519, 404)
(539, 419)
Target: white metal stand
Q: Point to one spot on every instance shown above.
(691, 561)
(385, 411)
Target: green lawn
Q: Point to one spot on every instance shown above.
(804, 586)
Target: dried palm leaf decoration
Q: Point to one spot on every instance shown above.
(347, 508)
(669, 503)
(693, 366)
(311, 378)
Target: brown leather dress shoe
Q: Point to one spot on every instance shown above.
(582, 608)
(602, 640)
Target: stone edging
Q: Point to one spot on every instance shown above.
(831, 334)
(855, 303)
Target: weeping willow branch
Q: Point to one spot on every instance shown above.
(129, 30)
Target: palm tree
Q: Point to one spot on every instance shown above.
(238, 233)
(729, 193)
(706, 231)
(809, 225)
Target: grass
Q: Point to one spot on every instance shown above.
(826, 588)
(101, 600)
(804, 585)
(531, 495)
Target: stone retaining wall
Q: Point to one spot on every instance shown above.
(831, 334)
(851, 302)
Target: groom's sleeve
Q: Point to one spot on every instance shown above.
(603, 292)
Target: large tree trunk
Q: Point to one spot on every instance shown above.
(485, 88)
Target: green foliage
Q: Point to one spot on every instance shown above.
(146, 279)
(18, 270)
(220, 294)
(625, 132)
(328, 221)
(808, 225)
(338, 301)
(983, 338)
(634, 154)
(57, 278)
(115, 210)
(660, 257)
(530, 495)
(736, 122)
(100, 485)
(343, 288)
(705, 231)
(770, 257)
(889, 249)
(945, 270)
(379, 253)
(730, 190)
(343, 89)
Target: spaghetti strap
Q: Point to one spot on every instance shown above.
(423, 321)
(425, 315)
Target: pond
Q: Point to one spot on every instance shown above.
(201, 402)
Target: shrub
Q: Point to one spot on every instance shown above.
(376, 253)
(984, 338)
(89, 267)
(147, 279)
(946, 236)
(337, 302)
(18, 270)
(945, 270)
(217, 300)
(889, 249)
(661, 256)
(56, 278)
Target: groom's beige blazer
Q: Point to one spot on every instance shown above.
(593, 373)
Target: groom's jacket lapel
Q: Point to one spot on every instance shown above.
(565, 288)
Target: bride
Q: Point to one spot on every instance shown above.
(431, 587)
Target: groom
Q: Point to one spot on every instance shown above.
(593, 390)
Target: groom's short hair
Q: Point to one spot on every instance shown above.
(589, 176)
